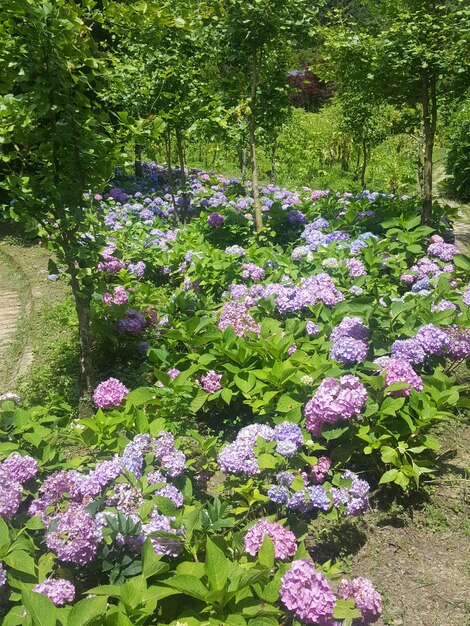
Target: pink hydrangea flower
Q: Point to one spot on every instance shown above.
(284, 540)
(211, 382)
(110, 393)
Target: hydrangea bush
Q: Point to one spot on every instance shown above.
(270, 380)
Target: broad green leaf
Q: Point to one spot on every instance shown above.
(188, 585)
(86, 610)
(39, 608)
(266, 553)
(216, 566)
(389, 476)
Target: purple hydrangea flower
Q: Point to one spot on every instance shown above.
(348, 350)
(74, 536)
(173, 373)
(432, 339)
(250, 270)
(58, 590)
(215, 220)
(319, 471)
(311, 328)
(138, 269)
(163, 545)
(21, 468)
(399, 371)
(296, 217)
(350, 327)
(334, 399)
(284, 540)
(278, 495)
(211, 382)
(3, 576)
(366, 598)
(288, 437)
(408, 350)
(307, 593)
(235, 315)
(172, 493)
(110, 393)
(355, 497)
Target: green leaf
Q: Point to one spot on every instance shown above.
(263, 620)
(345, 609)
(86, 610)
(152, 563)
(4, 538)
(188, 585)
(39, 608)
(389, 455)
(21, 561)
(267, 461)
(140, 396)
(266, 553)
(216, 566)
(389, 476)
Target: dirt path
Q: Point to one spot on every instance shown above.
(462, 222)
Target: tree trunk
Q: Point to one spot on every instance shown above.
(252, 139)
(272, 173)
(429, 104)
(138, 171)
(345, 156)
(179, 145)
(82, 306)
(243, 163)
(170, 172)
(364, 163)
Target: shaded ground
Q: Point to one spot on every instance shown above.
(462, 223)
(420, 557)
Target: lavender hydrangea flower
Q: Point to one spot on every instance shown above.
(173, 373)
(319, 471)
(408, 350)
(21, 468)
(10, 494)
(350, 327)
(58, 590)
(334, 400)
(355, 268)
(432, 339)
(3, 576)
(278, 495)
(399, 371)
(284, 540)
(109, 394)
(235, 250)
(138, 269)
(366, 598)
(235, 315)
(355, 497)
(75, 536)
(348, 350)
(296, 217)
(250, 270)
(311, 328)
(215, 220)
(172, 493)
(288, 437)
(307, 593)
(164, 545)
(211, 382)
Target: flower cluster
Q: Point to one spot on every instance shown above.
(284, 540)
(14, 471)
(355, 497)
(235, 315)
(400, 371)
(334, 400)
(215, 220)
(307, 593)
(366, 598)
(109, 394)
(250, 270)
(58, 590)
(211, 382)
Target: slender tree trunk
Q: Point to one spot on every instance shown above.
(214, 158)
(345, 156)
(244, 159)
(138, 171)
(272, 173)
(82, 306)
(429, 104)
(252, 140)
(179, 145)
(170, 171)
(364, 163)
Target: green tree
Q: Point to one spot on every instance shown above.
(417, 54)
(259, 38)
(57, 146)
